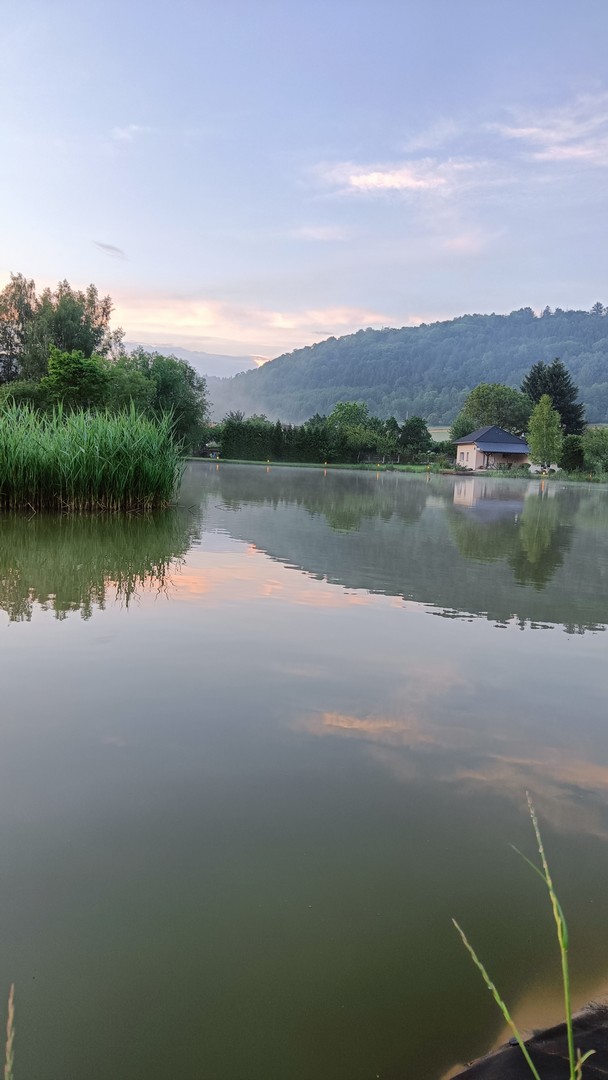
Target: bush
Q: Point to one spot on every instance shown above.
(572, 459)
(595, 449)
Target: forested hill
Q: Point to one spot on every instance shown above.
(424, 370)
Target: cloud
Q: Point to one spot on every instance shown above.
(454, 753)
(202, 323)
(110, 249)
(575, 132)
(437, 134)
(128, 133)
(319, 232)
(415, 176)
(471, 241)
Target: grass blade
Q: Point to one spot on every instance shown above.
(9, 1057)
(499, 1001)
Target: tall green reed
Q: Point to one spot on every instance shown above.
(576, 1060)
(81, 461)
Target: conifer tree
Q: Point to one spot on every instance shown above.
(555, 380)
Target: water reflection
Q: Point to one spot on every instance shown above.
(66, 564)
(290, 777)
(531, 530)
(534, 552)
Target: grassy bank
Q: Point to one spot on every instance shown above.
(83, 461)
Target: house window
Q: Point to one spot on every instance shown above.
(462, 455)
(467, 455)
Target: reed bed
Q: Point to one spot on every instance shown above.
(82, 462)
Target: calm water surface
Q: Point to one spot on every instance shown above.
(257, 752)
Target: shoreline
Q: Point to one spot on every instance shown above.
(420, 470)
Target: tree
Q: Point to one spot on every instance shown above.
(463, 425)
(75, 380)
(595, 449)
(127, 386)
(69, 319)
(545, 433)
(555, 380)
(17, 306)
(349, 414)
(572, 459)
(177, 389)
(598, 309)
(415, 438)
(493, 403)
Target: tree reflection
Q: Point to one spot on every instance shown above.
(345, 499)
(65, 564)
(543, 540)
(533, 534)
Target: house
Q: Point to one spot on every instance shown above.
(210, 450)
(491, 448)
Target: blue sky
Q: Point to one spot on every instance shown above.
(249, 177)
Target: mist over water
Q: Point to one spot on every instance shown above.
(258, 751)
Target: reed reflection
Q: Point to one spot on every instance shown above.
(76, 564)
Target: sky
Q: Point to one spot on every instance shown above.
(251, 176)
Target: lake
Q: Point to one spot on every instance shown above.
(258, 751)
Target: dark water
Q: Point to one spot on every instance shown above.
(256, 753)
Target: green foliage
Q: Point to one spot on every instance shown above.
(75, 381)
(426, 370)
(493, 403)
(69, 319)
(555, 380)
(595, 450)
(415, 439)
(348, 435)
(177, 389)
(444, 450)
(23, 392)
(61, 341)
(85, 461)
(127, 386)
(463, 425)
(545, 433)
(349, 414)
(572, 459)
(17, 306)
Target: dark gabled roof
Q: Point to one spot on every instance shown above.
(504, 448)
(495, 439)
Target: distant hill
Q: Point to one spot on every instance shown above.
(425, 370)
(208, 364)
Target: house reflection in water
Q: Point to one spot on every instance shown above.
(488, 504)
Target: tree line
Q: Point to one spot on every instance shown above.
(348, 435)
(58, 347)
(545, 410)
